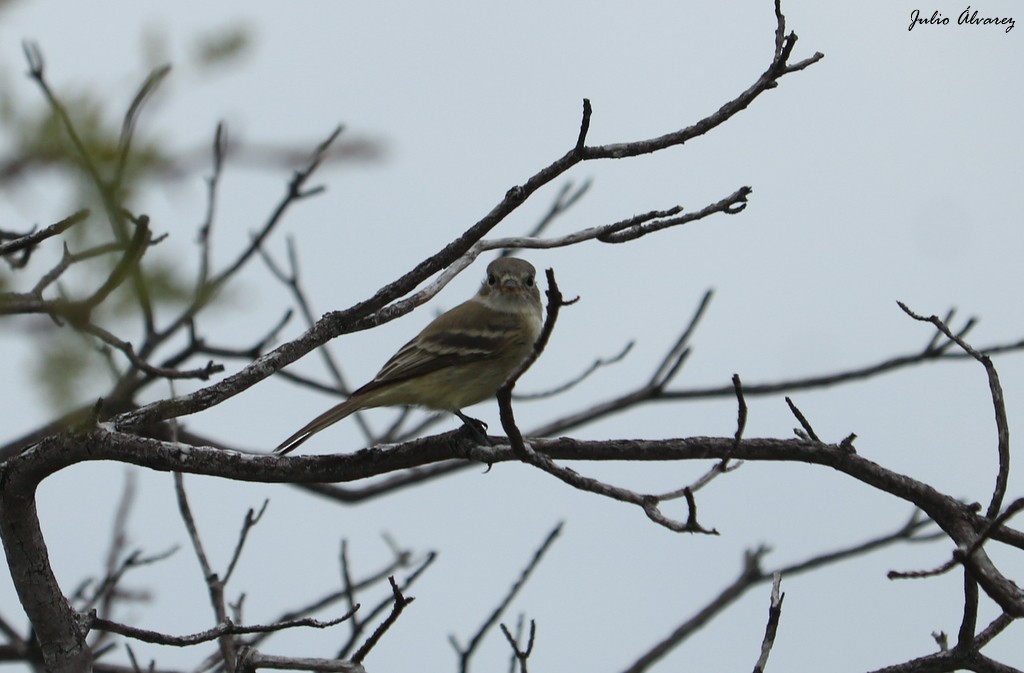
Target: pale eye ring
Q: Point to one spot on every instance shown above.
(492, 280)
(529, 281)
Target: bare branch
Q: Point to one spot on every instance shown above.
(991, 529)
(115, 568)
(673, 360)
(752, 574)
(997, 626)
(220, 148)
(998, 404)
(13, 637)
(221, 631)
(198, 346)
(622, 231)
(202, 373)
(566, 198)
(380, 607)
(298, 615)
(908, 532)
(131, 117)
(519, 655)
(741, 407)
(721, 467)
(68, 258)
(835, 378)
(250, 660)
(296, 191)
(106, 590)
(28, 241)
(466, 654)
(348, 588)
(774, 614)
(387, 485)
(654, 389)
(401, 601)
(108, 191)
(807, 429)
(36, 71)
(969, 622)
(291, 281)
(524, 452)
(214, 585)
(251, 519)
(579, 378)
(581, 141)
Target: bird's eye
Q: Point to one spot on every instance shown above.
(492, 280)
(529, 281)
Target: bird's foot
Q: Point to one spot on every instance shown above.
(475, 428)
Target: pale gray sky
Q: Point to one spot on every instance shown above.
(890, 170)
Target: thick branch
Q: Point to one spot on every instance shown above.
(56, 625)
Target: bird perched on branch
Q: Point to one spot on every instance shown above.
(459, 359)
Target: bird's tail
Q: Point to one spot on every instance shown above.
(329, 417)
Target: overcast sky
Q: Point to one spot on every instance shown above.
(891, 170)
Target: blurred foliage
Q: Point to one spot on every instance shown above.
(222, 46)
(35, 142)
(44, 139)
(65, 367)
(165, 285)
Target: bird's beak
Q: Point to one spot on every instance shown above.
(510, 284)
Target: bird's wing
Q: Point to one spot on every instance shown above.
(457, 337)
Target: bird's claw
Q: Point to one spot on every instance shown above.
(475, 428)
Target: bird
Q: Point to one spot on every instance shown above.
(462, 357)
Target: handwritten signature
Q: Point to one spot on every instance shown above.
(966, 18)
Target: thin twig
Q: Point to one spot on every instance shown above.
(220, 148)
(37, 70)
(296, 191)
(348, 587)
(131, 117)
(291, 281)
(202, 373)
(807, 429)
(401, 601)
(752, 574)
(30, 240)
(581, 140)
(566, 198)
(371, 614)
(579, 378)
(998, 404)
(772, 628)
(648, 503)
(214, 585)
(465, 654)
(741, 408)
(251, 519)
(519, 655)
(960, 555)
(629, 229)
